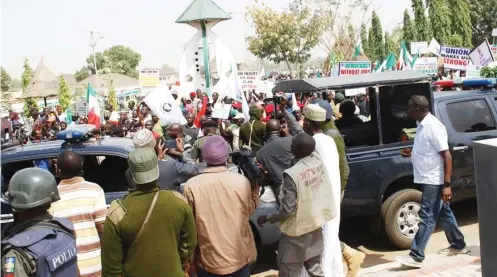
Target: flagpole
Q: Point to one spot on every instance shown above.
(93, 43)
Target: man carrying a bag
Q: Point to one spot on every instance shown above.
(149, 232)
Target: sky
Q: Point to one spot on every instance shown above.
(58, 30)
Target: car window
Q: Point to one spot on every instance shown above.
(470, 116)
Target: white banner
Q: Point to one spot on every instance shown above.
(161, 102)
(482, 55)
(426, 65)
(473, 71)
(455, 57)
(221, 111)
(420, 47)
(248, 79)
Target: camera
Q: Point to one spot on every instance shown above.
(277, 99)
(244, 159)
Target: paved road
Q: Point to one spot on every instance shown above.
(379, 251)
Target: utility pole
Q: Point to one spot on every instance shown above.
(93, 43)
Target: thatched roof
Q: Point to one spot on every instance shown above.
(43, 83)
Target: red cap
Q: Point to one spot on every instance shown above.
(269, 108)
(193, 94)
(237, 105)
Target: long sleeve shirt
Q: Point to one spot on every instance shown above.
(288, 201)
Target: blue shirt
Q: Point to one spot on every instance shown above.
(43, 164)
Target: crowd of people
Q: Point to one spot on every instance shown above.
(205, 230)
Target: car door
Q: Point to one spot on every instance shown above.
(467, 120)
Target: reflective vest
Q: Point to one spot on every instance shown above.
(51, 244)
(315, 205)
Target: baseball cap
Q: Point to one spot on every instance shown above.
(144, 138)
(325, 105)
(143, 165)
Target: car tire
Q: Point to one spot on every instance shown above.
(401, 217)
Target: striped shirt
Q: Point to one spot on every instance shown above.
(83, 203)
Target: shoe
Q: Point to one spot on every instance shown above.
(451, 251)
(409, 261)
(353, 259)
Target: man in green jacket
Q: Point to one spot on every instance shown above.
(253, 132)
(149, 232)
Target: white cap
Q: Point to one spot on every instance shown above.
(315, 113)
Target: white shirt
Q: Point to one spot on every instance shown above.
(431, 139)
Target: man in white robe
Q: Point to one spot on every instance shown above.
(314, 117)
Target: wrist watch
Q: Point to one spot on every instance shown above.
(446, 184)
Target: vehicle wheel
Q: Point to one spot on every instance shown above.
(384, 207)
(401, 217)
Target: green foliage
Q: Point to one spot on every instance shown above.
(440, 20)
(286, 36)
(408, 30)
(6, 80)
(364, 39)
(376, 44)
(422, 26)
(29, 104)
(390, 45)
(117, 59)
(489, 72)
(455, 40)
(81, 74)
(112, 97)
(26, 75)
(483, 19)
(64, 94)
(461, 21)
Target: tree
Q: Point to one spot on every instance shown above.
(390, 45)
(286, 37)
(409, 33)
(364, 39)
(440, 20)
(483, 19)
(117, 59)
(81, 74)
(29, 104)
(421, 24)
(6, 80)
(455, 40)
(112, 96)
(489, 72)
(461, 21)
(376, 43)
(26, 75)
(64, 95)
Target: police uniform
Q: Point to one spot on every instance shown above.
(41, 246)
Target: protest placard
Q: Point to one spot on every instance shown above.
(482, 54)
(248, 79)
(420, 47)
(355, 91)
(221, 111)
(473, 71)
(149, 77)
(353, 68)
(81, 108)
(455, 57)
(426, 65)
(493, 48)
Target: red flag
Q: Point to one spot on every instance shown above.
(201, 112)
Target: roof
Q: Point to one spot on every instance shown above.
(352, 81)
(120, 80)
(450, 95)
(117, 146)
(43, 83)
(203, 10)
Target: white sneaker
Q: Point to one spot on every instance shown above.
(451, 251)
(408, 261)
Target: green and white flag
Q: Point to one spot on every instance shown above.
(387, 64)
(405, 59)
(333, 61)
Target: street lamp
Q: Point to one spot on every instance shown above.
(93, 43)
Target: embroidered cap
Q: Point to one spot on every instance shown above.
(315, 113)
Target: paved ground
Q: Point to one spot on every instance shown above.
(380, 259)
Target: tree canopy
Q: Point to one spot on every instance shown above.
(117, 59)
(26, 74)
(6, 80)
(483, 19)
(286, 37)
(408, 31)
(375, 42)
(461, 21)
(112, 96)
(440, 20)
(422, 26)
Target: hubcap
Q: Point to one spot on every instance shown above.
(408, 219)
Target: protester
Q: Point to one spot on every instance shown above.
(349, 117)
(190, 130)
(314, 118)
(83, 203)
(32, 243)
(253, 132)
(306, 204)
(150, 232)
(432, 168)
(210, 128)
(171, 172)
(276, 154)
(222, 202)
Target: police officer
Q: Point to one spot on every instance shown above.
(36, 244)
